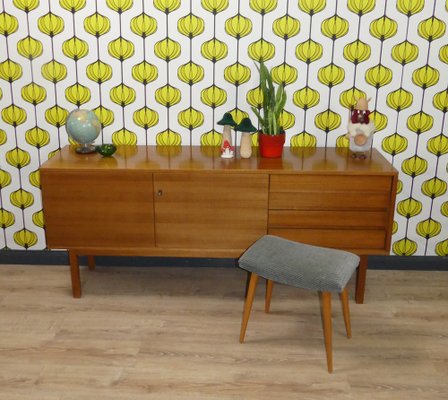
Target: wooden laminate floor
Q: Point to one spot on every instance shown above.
(172, 333)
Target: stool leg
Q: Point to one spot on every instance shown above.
(267, 302)
(346, 311)
(248, 304)
(247, 284)
(328, 329)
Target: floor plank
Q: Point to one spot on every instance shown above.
(172, 333)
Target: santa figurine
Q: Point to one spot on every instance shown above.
(360, 129)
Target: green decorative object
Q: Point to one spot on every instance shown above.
(227, 119)
(106, 149)
(245, 126)
(83, 126)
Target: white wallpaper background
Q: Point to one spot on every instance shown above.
(165, 71)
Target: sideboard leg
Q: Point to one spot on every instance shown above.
(75, 275)
(91, 262)
(361, 280)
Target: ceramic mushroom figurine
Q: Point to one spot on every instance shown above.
(245, 127)
(360, 129)
(227, 150)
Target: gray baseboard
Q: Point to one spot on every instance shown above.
(416, 263)
(47, 257)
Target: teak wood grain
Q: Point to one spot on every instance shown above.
(189, 202)
(203, 210)
(327, 219)
(105, 208)
(348, 239)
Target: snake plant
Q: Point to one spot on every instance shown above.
(273, 103)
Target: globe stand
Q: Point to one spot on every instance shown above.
(86, 148)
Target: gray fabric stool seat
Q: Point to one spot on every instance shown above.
(301, 265)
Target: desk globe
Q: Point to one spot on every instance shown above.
(83, 126)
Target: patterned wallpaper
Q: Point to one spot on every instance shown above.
(165, 71)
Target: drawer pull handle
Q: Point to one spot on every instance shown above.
(160, 193)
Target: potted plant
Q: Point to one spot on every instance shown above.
(271, 137)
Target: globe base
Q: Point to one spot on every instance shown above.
(86, 148)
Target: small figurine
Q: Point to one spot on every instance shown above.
(360, 114)
(245, 127)
(227, 150)
(360, 129)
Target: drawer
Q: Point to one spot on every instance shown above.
(331, 183)
(316, 192)
(329, 200)
(327, 219)
(335, 238)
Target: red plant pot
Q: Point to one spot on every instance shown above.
(271, 146)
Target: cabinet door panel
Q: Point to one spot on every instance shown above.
(98, 209)
(206, 211)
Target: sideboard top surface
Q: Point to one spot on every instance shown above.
(199, 158)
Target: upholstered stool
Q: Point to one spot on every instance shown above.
(304, 266)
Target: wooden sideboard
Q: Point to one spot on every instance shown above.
(187, 201)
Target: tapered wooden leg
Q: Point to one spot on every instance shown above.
(91, 262)
(346, 311)
(361, 276)
(75, 275)
(267, 301)
(328, 329)
(247, 283)
(248, 304)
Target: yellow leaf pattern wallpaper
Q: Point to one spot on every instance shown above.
(165, 71)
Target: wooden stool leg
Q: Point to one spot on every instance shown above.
(248, 304)
(328, 329)
(267, 302)
(346, 311)
(247, 283)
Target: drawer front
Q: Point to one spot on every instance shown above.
(327, 219)
(336, 200)
(335, 238)
(338, 192)
(320, 183)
